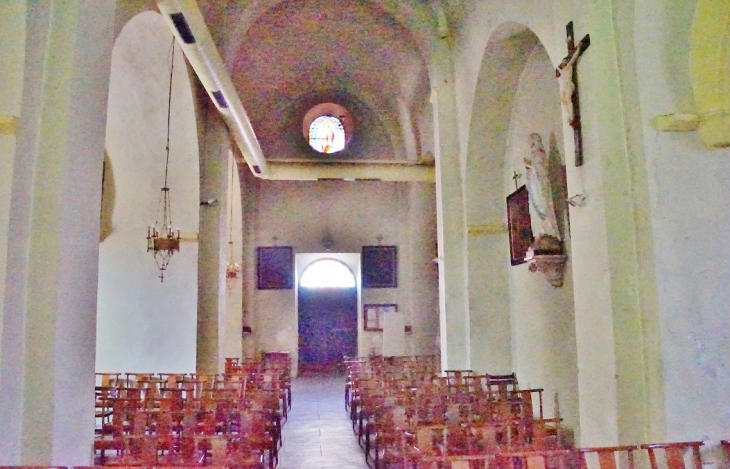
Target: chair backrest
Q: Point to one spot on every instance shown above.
(675, 453)
(726, 446)
(540, 459)
(607, 456)
(502, 383)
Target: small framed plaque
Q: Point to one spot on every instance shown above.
(520, 228)
(373, 315)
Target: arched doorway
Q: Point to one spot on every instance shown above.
(327, 308)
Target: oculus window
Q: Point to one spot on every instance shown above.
(327, 135)
(328, 128)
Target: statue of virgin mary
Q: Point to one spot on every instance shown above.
(542, 211)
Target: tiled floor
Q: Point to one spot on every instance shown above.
(318, 433)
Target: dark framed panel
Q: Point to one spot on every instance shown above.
(274, 268)
(373, 315)
(379, 266)
(518, 221)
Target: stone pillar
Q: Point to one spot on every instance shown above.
(619, 382)
(453, 296)
(423, 299)
(49, 309)
(212, 242)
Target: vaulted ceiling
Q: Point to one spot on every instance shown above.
(286, 56)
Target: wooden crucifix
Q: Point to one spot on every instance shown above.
(516, 176)
(567, 76)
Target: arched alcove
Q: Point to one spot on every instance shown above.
(153, 322)
(519, 321)
(503, 61)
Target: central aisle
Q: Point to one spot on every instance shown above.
(318, 433)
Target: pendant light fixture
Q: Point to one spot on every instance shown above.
(233, 268)
(162, 239)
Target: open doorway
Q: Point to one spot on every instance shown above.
(328, 305)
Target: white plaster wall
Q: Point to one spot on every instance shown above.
(12, 49)
(353, 214)
(689, 194)
(542, 317)
(145, 325)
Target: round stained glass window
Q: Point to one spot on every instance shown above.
(327, 135)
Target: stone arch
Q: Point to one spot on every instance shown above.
(155, 323)
(516, 94)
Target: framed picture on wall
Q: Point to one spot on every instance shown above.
(379, 266)
(518, 222)
(373, 315)
(274, 268)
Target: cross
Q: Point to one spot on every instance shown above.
(380, 240)
(516, 176)
(567, 76)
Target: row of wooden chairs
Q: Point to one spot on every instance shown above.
(428, 415)
(679, 455)
(408, 421)
(674, 455)
(232, 419)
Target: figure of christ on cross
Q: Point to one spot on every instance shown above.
(566, 76)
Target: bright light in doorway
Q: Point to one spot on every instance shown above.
(327, 273)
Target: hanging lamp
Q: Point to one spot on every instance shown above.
(233, 268)
(162, 239)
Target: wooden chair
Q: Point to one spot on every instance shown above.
(607, 456)
(555, 459)
(353, 365)
(674, 454)
(107, 379)
(501, 384)
(254, 429)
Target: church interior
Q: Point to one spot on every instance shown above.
(526, 186)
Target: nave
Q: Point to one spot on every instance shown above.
(403, 413)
